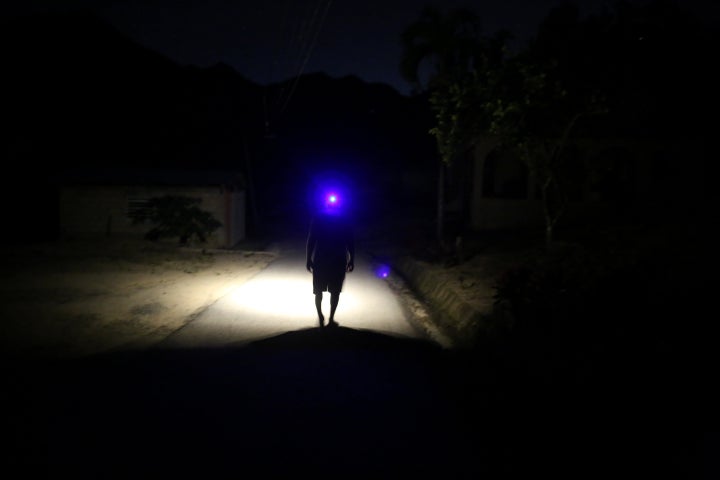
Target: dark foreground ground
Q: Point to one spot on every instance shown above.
(337, 403)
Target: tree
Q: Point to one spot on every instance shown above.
(452, 44)
(538, 124)
(531, 103)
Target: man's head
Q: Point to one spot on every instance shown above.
(332, 202)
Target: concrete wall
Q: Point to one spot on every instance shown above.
(642, 175)
(234, 218)
(87, 210)
(95, 210)
(493, 213)
(505, 213)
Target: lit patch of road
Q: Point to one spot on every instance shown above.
(279, 299)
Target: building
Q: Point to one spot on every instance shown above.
(622, 178)
(102, 203)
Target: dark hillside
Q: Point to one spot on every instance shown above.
(80, 93)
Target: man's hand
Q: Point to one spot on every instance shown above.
(350, 266)
(309, 266)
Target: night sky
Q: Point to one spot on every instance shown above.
(274, 40)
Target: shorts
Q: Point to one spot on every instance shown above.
(328, 278)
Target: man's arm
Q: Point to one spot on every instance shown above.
(351, 251)
(310, 248)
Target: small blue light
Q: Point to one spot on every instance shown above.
(382, 271)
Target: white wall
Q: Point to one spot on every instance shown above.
(103, 210)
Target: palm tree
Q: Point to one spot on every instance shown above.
(450, 43)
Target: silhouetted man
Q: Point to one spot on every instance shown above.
(330, 253)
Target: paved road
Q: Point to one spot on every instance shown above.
(253, 389)
(279, 299)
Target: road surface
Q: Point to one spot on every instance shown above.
(252, 387)
(279, 300)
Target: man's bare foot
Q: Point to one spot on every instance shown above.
(332, 323)
(321, 319)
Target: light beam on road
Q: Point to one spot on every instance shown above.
(289, 297)
(280, 299)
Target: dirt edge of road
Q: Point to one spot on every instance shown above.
(79, 298)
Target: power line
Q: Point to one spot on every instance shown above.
(309, 51)
(302, 40)
(298, 38)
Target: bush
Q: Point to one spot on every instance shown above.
(177, 216)
(600, 306)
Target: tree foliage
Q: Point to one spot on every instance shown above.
(457, 49)
(529, 103)
(537, 124)
(449, 42)
(644, 66)
(453, 45)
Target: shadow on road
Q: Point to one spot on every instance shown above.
(342, 338)
(325, 402)
(333, 401)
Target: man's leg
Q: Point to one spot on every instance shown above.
(334, 299)
(318, 306)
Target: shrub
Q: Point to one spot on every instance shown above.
(577, 308)
(177, 216)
